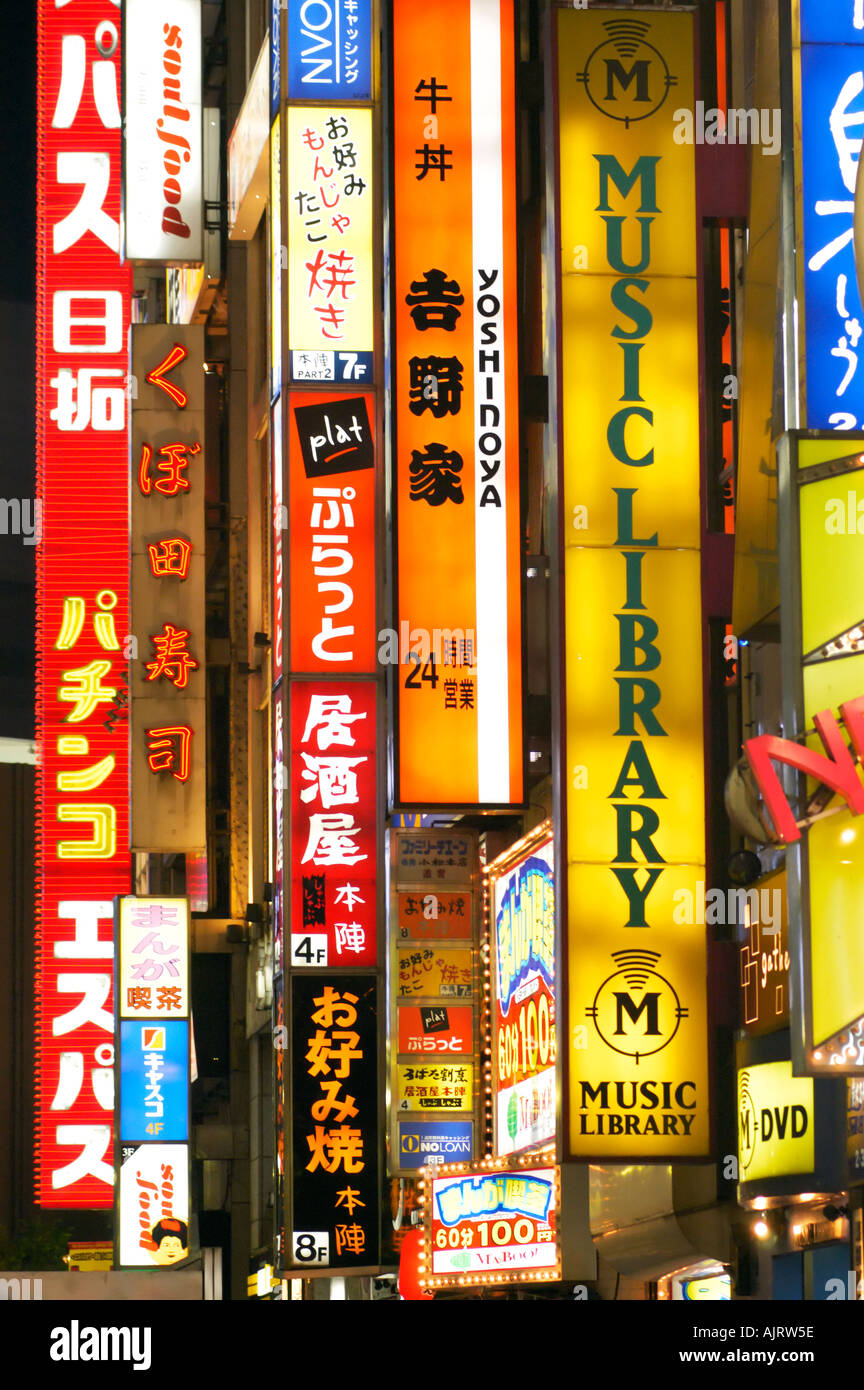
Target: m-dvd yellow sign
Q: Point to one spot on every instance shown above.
(775, 1122)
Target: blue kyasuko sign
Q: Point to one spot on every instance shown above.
(832, 126)
(154, 1081)
(329, 50)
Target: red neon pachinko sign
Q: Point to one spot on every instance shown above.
(83, 298)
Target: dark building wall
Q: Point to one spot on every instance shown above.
(16, 991)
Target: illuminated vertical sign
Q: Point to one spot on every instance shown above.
(329, 50)
(523, 993)
(435, 1000)
(830, 122)
(328, 745)
(168, 704)
(335, 1120)
(822, 549)
(278, 696)
(330, 266)
(275, 58)
(334, 889)
(153, 1206)
(855, 1130)
(456, 404)
(331, 471)
(162, 149)
(636, 1060)
(82, 298)
(153, 1026)
(275, 259)
(764, 956)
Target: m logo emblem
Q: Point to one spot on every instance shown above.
(616, 72)
(626, 77)
(636, 1011)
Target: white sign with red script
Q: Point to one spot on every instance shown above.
(162, 153)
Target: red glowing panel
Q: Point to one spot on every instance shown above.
(83, 296)
(331, 471)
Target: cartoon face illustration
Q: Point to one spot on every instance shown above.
(172, 1241)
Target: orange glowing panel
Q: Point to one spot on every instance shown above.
(456, 405)
(331, 472)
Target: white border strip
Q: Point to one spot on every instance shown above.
(490, 522)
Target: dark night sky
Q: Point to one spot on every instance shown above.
(18, 97)
(17, 367)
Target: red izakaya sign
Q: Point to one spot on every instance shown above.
(83, 296)
(333, 824)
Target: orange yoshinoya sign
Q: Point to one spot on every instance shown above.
(456, 404)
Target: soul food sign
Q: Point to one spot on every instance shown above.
(636, 1060)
